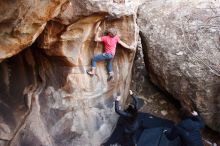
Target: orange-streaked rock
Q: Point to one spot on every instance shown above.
(54, 101)
(21, 22)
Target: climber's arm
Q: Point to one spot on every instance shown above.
(197, 120)
(97, 37)
(97, 31)
(134, 99)
(118, 111)
(126, 46)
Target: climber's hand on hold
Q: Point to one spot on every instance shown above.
(194, 113)
(99, 29)
(118, 97)
(97, 26)
(132, 48)
(98, 23)
(130, 92)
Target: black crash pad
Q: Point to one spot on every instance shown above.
(151, 133)
(156, 137)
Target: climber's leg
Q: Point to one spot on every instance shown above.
(109, 69)
(98, 57)
(110, 76)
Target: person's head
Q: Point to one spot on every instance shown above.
(132, 110)
(185, 113)
(112, 32)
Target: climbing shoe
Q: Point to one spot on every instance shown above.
(110, 77)
(89, 72)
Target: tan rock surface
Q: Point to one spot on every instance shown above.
(21, 22)
(54, 101)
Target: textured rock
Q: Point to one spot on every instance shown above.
(22, 21)
(77, 9)
(47, 93)
(14, 107)
(151, 100)
(181, 47)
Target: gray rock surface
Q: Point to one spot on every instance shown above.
(182, 55)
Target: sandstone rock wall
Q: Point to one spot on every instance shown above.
(181, 46)
(22, 21)
(46, 96)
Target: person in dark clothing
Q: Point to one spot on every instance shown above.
(188, 129)
(130, 122)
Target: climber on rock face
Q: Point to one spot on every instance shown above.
(188, 129)
(130, 122)
(110, 41)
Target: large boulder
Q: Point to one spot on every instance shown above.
(46, 93)
(181, 47)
